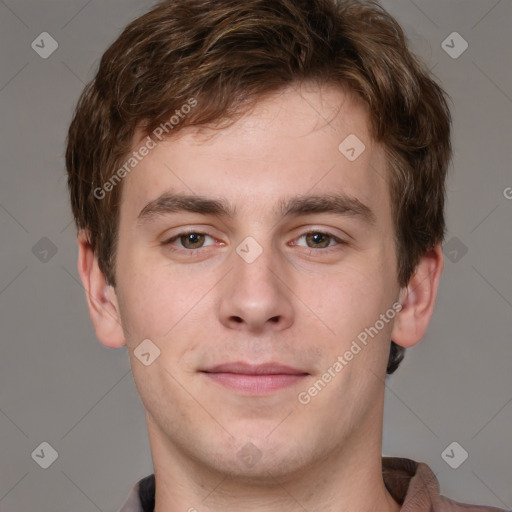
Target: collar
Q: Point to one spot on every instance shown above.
(412, 484)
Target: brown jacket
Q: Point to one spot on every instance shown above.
(412, 484)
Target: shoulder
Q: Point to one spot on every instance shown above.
(416, 488)
(448, 505)
(142, 496)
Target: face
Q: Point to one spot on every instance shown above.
(261, 244)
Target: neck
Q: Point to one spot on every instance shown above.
(346, 479)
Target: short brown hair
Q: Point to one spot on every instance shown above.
(227, 55)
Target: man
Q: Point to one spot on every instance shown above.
(258, 188)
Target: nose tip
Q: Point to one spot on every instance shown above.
(253, 297)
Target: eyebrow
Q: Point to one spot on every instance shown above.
(295, 206)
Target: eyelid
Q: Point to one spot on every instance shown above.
(339, 241)
(177, 236)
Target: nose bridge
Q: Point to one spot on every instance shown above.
(255, 266)
(254, 294)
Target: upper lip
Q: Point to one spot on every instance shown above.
(255, 369)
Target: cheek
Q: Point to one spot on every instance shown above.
(349, 302)
(356, 288)
(164, 398)
(165, 306)
(153, 298)
(145, 308)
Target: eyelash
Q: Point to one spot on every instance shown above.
(339, 242)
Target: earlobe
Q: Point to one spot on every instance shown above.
(418, 300)
(101, 297)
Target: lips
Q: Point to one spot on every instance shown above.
(257, 369)
(255, 380)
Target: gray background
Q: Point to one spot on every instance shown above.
(60, 385)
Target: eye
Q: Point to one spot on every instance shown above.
(319, 240)
(191, 240)
(188, 240)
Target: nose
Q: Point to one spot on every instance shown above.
(256, 295)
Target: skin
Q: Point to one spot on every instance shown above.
(299, 303)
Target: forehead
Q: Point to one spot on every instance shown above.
(300, 140)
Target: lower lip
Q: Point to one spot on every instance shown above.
(256, 384)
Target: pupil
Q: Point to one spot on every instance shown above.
(319, 239)
(191, 240)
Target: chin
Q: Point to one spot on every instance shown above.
(259, 467)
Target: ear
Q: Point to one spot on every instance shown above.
(418, 300)
(101, 297)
